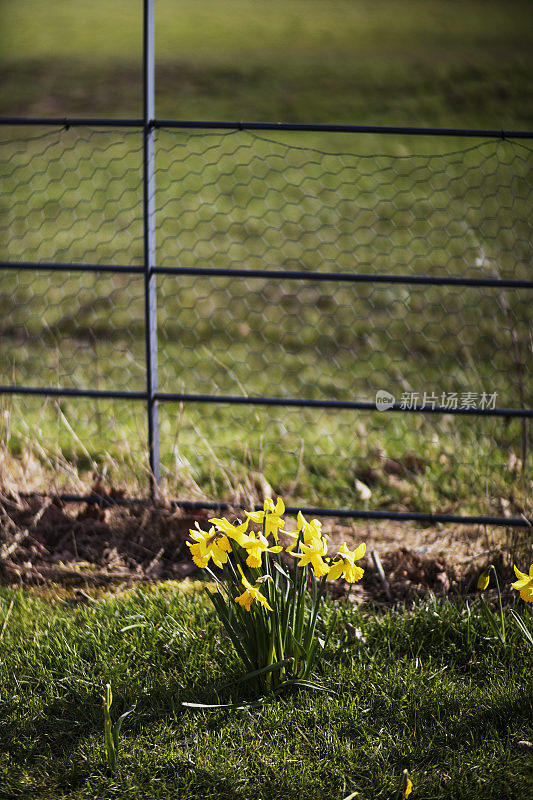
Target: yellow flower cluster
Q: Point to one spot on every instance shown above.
(314, 549)
(310, 547)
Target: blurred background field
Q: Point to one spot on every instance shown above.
(368, 61)
(376, 204)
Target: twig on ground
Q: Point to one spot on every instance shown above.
(6, 618)
(19, 537)
(381, 573)
(155, 561)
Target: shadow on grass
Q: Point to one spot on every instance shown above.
(175, 773)
(60, 725)
(455, 726)
(58, 735)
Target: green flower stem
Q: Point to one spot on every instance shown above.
(346, 596)
(502, 618)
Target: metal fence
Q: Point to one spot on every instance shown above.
(326, 308)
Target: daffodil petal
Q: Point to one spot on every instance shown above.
(521, 583)
(255, 516)
(519, 574)
(335, 571)
(359, 551)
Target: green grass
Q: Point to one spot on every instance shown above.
(427, 689)
(386, 61)
(259, 202)
(312, 202)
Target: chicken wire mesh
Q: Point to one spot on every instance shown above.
(243, 199)
(251, 202)
(72, 195)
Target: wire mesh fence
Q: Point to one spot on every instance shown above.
(300, 278)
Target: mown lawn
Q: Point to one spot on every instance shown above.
(425, 688)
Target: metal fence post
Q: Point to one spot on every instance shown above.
(150, 287)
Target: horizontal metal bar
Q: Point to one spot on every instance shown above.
(346, 513)
(340, 513)
(73, 122)
(399, 130)
(242, 400)
(343, 277)
(48, 391)
(270, 274)
(338, 404)
(53, 266)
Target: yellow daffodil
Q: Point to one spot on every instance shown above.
(345, 565)
(313, 554)
(311, 531)
(255, 545)
(271, 515)
(208, 545)
(483, 580)
(250, 594)
(407, 784)
(524, 584)
(236, 532)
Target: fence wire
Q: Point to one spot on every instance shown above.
(249, 202)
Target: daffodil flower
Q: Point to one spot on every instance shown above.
(255, 545)
(313, 554)
(407, 784)
(250, 594)
(345, 565)
(483, 580)
(311, 531)
(208, 545)
(271, 515)
(236, 532)
(524, 584)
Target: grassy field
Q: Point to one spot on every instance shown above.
(313, 202)
(427, 689)
(355, 60)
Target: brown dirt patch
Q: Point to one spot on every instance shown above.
(44, 540)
